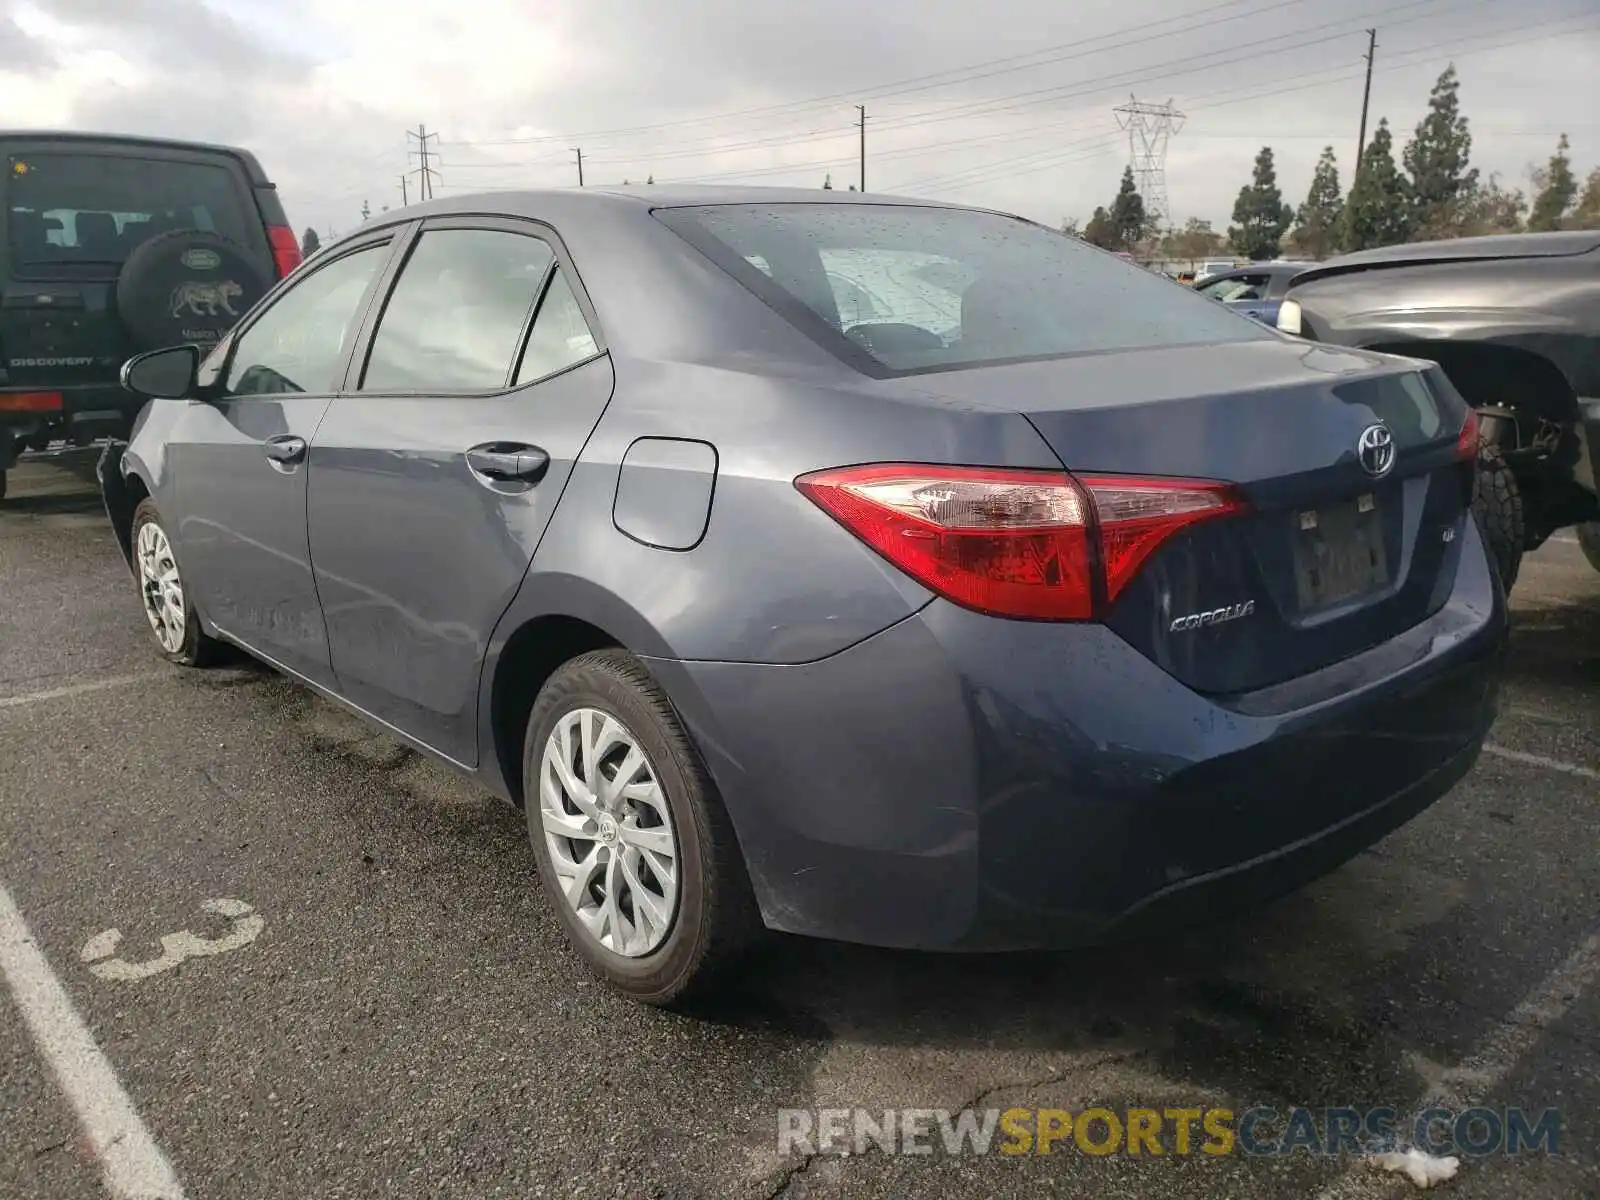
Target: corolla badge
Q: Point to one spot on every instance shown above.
(1215, 616)
(1375, 449)
(200, 259)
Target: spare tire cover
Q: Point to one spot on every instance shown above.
(189, 285)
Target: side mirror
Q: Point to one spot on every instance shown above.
(167, 374)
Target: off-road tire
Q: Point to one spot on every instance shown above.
(1497, 503)
(198, 648)
(716, 918)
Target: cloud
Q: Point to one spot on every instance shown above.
(1014, 112)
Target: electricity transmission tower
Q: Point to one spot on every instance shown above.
(425, 172)
(1150, 127)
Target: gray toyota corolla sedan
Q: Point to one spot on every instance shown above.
(871, 569)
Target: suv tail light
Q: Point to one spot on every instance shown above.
(30, 402)
(286, 254)
(1015, 543)
(1467, 440)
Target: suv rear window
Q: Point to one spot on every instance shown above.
(95, 208)
(899, 288)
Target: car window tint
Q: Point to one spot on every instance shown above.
(96, 208)
(456, 316)
(298, 343)
(920, 288)
(561, 336)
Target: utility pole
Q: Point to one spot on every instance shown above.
(578, 150)
(425, 172)
(404, 200)
(1366, 97)
(862, 109)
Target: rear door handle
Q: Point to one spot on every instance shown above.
(508, 461)
(285, 448)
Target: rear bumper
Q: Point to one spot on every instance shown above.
(958, 782)
(87, 412)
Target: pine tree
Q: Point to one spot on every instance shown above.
(1377, 212)
(1436, 160)
(1128, 217)
(1587, 214)
(1101, 230)
(310, 243)
(1260, 214)
(1558, 188)
(1317, 223)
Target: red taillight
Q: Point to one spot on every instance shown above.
(1467, 440)
(30, 401)
(1013, 543)
(285, 249)
(1138, 513)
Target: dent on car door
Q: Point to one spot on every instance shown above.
(238, 463)
(438, 472)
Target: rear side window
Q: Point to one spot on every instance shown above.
(456, 318)
(64, 209)
(899, 288)
(561, 337)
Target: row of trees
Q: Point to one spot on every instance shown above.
(1433, 192)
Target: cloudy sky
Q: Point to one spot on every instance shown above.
(1005, 103)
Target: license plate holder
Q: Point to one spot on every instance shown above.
(1339, 553)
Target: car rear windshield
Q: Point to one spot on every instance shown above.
(901, 288)
(95, 208)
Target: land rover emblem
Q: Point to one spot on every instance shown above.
(201, 259)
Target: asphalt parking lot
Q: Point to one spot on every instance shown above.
(393, 1011)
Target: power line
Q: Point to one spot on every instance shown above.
(1140, 33)
(1418, 57)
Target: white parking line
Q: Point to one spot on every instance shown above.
(1491, 1063)
(75, 689)
(1564, 537)
(133, 1166)
(1540, 760)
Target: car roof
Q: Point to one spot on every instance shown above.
(557, 202)
(88, 138)
(1269, 268)
(1505, 245)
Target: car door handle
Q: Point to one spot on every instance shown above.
(508, 461)
(285, 448)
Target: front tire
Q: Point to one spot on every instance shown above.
(1497, 502)
(632, 842)
(167, 606)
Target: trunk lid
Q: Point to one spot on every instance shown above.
(1330, 560)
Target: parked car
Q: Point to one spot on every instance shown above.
(1255, 291)
(1514, 320)
(1213, 267)
(1104, 612)
(110, 245)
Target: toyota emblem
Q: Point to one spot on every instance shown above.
(1375, 448)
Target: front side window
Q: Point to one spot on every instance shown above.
(298, 344)
(455, 319)
(920, 288)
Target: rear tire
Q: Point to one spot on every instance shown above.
(660, 901)
(1589, 542)
(1497, 502)
(163, 595)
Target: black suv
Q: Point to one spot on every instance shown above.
(110, 245)
(1514, 320)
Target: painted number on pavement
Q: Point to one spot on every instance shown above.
(99, 950)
